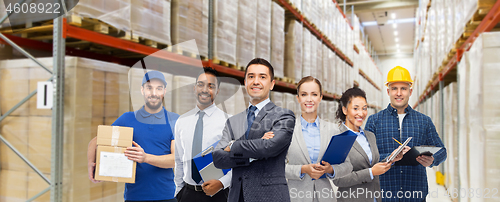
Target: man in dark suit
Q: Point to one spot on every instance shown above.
(258, 161)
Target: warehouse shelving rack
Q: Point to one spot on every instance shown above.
(63, 30)
(448, 71)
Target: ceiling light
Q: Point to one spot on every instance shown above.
(397, 45)
(394, 25)
(399, 51)
(395, 33)
(393, 15)
(397, 39)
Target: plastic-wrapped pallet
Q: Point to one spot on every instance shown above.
(323, 110)
(484, 130)
(307, 59)
(183, 99)
(94, 90)
(278, 39)
(325, 71)
(226, 99)
(289, 101)
(331, 80)
(339, 82)
(451, 137)
(263, 34)
(314, 58)
(297, 4)
(246, 32)
(319, 61)
(332, 110)
(277, 98)
(463, 69)
(151, 19)
(293, 50)
(241, 100)
(225, 30)
(190, 22)
(114, 12)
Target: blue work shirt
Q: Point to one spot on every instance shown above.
(385, 126)
(153, 132)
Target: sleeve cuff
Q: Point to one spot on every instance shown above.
(331, 175)
(371, 174)
(302, 175)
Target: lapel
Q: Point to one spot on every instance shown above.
(325, 137)
(299, 138)
(262, 113)
(372, 141)
(357, 146)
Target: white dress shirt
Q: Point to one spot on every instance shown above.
(213, 124)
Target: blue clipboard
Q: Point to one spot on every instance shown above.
(204, 163)
(339, 147)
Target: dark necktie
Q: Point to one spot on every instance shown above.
(197, 144)
(250, 118)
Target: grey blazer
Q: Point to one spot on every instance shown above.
(298, 155)
(360, 175)
(262, 179)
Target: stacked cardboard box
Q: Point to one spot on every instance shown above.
(183, 94)
(190, 21)
(90, 100)
(145, 18)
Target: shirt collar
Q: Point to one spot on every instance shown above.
(208, 111)
(304, 123)
(395, 111)
(361, 132)
(146, 114)
(261, 104)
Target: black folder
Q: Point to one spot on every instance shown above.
(410, 158)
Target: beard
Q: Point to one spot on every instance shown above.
(154, 106)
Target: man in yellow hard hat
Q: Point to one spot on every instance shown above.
(407, 180)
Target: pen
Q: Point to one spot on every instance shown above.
(397, 141)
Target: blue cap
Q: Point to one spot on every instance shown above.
(154, 75)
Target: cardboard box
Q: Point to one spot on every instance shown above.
(111, 163)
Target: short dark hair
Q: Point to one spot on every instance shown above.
(209, 70)
(307, 79)
(261, 61)
(346, 98)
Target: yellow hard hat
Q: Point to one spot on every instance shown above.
(398, 74)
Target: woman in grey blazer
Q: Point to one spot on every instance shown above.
(362, 184)
(310, 139)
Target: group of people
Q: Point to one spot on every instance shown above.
(273, 155)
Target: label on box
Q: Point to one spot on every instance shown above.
(115, 165)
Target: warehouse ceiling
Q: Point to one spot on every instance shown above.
(389, 24)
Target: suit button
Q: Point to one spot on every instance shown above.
(239, 178)
(245, 178)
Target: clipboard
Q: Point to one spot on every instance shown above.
(204, 163)
(391, 158)
(339, 147)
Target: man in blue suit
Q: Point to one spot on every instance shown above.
(258, 163)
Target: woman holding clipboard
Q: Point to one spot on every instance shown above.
(308, 177)
(364, 156)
